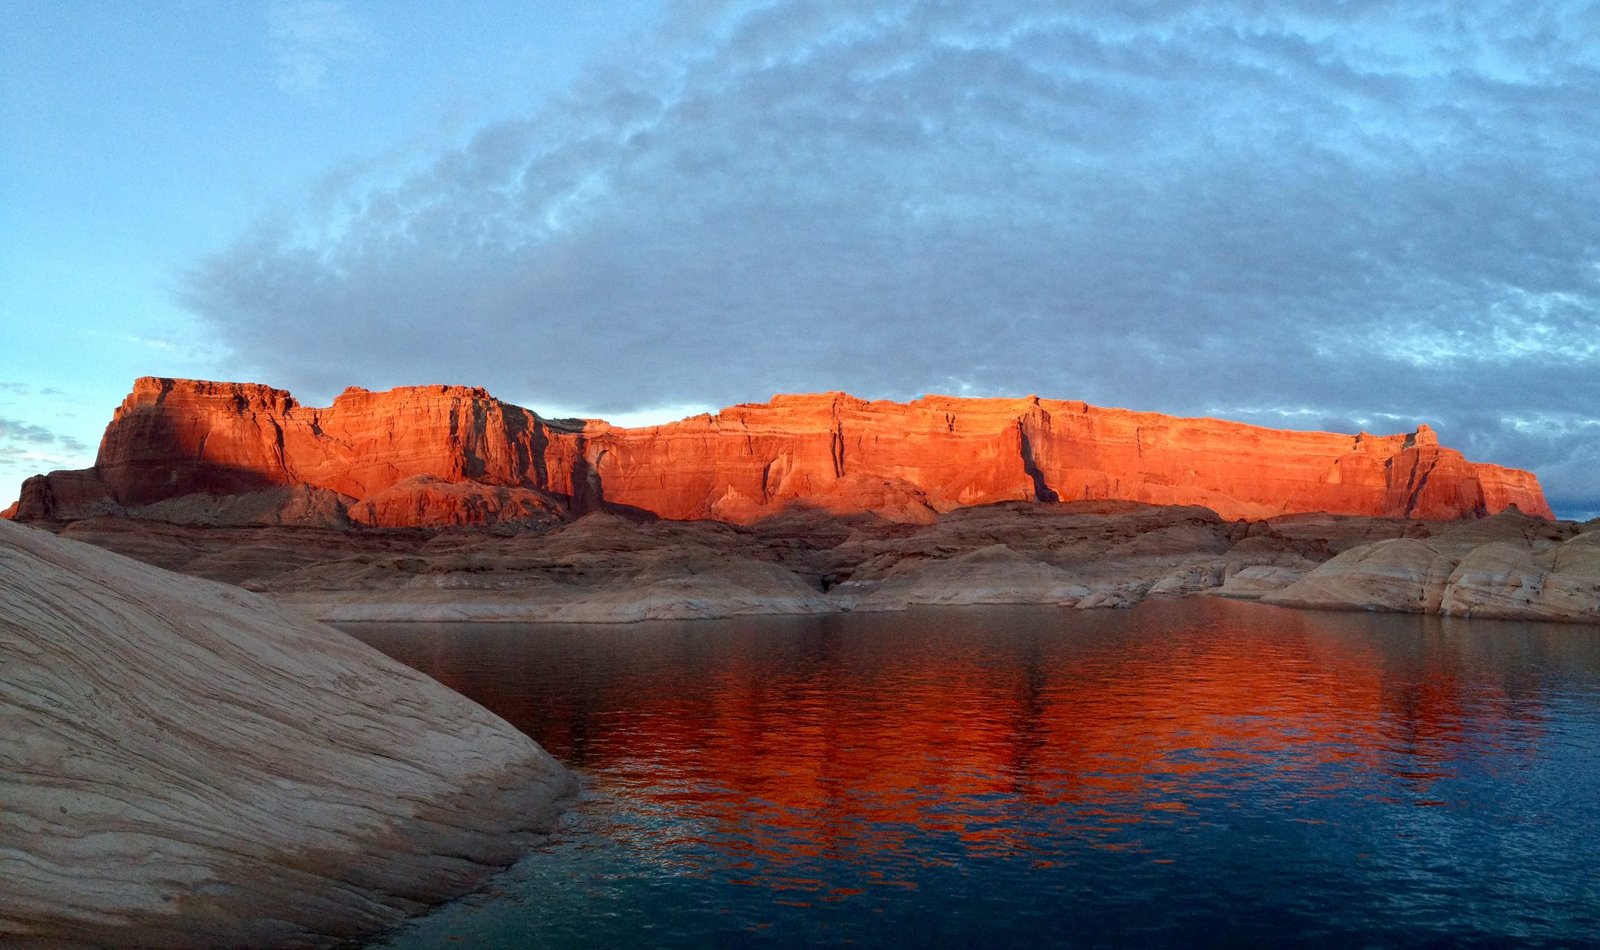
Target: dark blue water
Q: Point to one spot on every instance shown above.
(1194, 772)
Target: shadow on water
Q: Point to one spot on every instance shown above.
(1195, 771)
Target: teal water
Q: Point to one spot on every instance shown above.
(1184, 773)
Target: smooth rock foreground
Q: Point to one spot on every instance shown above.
(184, 763)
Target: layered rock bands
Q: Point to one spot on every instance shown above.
(186, 764)
(236, 453)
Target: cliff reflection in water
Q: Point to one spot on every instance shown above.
(815, 757)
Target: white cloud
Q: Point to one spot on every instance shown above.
(1356, 210)
(659, 415)
(1507, 325)
(309, 39)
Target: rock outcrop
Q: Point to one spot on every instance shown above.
(441, 502)
(605, 568)
(188, 764)
(598, 569)
(1401, 574)
(444, 455)
(1508, 567)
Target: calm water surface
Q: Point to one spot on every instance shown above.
(1188, 772)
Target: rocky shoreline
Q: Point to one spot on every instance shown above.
(606, 568)
(191, 763)
(1501, 569)
(199, 761)
(440, 503)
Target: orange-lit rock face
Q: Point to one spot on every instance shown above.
(175, 436)
(390, 451)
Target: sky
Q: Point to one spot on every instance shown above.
(1315, 215)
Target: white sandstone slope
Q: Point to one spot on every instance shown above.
(1508, 567)
(183, 763)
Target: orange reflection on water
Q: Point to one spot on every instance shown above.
(782, 741)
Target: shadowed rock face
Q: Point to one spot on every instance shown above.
(603, 568)
(443, 455)
(188, 764)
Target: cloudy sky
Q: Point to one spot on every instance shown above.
(1323, 215)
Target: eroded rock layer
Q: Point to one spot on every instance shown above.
(602, 568)
(447, 455)
(1508, 567)
(188, 764)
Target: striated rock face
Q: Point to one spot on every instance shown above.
(1518, 582)
(1401, 574)
(429, 500)
(603, 568)
(394, 456)
(1508, 567)
(188, 764)
(600, 568)
(64, 496)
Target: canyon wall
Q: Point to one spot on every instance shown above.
(438, 455)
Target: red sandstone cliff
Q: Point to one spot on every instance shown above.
(435, 455)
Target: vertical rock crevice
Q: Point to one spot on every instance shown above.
(1030, 467)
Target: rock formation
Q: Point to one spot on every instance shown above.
(445, 455)
(1508, 567)
(600, 568)
(605, 568)
(188, 764)
(444, 503)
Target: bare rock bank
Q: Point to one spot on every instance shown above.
(606, 568)
(188, 764)
(1508, 567)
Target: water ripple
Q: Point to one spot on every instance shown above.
(1190, 772)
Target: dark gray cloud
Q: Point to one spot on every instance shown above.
(28, 449)
(12, 430)
(16, 433)
(1299, 214)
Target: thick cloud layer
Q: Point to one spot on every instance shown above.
(1352, 215)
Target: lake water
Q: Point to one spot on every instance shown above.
(1193, 772)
